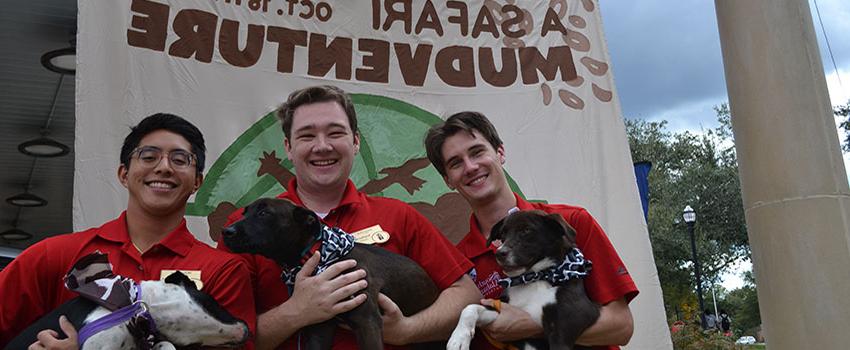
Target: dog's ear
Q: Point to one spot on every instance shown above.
(496, 231)
(557, 223)
(305, 216)
(180, 279)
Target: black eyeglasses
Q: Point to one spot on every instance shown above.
(150, 156)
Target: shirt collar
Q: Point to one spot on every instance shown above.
(474, 244)
(523, 204)
(349, 196)
(180, 240)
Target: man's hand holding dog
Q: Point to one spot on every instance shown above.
(396, 325)
(49, 339)
(326, 295)
(512, 324)
(435, 322)
(614, 326)
(315, 299)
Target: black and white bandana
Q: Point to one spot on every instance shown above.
(93, 279)
(335, 244)
(573, 266)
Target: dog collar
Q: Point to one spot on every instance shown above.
(332, 244)
(311, 248)
(141, 325)
(574, 266)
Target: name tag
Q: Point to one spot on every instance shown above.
(371, 235)
(194, 275)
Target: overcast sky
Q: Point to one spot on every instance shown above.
(668, 64)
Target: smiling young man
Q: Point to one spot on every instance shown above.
(162, 161)
(467, 151)
(321, 140)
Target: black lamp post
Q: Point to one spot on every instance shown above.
(691, 218)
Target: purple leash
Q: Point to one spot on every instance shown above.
(138, 309)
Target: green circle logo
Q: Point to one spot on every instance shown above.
(391, 163)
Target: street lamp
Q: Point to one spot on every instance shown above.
(691, 218)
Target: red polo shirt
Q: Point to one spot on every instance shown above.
(31, 286)
(411, 235)
(608, 281)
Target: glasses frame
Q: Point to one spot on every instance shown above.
(137, 152)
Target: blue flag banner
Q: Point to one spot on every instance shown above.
(642, 176)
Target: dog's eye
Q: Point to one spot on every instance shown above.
(262, 213)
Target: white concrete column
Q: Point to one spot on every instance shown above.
(792, 176)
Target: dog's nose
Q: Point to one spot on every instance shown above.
(501, 254)
(228, 231)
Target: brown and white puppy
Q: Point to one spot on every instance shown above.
(283, 232)
(531, 244)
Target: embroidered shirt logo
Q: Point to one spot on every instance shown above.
(489, 286)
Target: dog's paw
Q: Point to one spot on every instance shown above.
(164, 345)
(460, 339)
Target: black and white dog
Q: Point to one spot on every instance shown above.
(538, 253)
(175, 310)
(288, 234)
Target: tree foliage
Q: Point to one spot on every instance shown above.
(843, 112)
(699, 170)
(743, 307)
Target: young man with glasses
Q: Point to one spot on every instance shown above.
(162, 161)
(467, 151)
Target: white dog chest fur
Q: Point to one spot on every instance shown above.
(532, 297)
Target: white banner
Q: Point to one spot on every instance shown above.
(538, 69)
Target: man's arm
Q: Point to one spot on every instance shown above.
(315, 299)
(25, 291)
(614, 326)
(435, 322)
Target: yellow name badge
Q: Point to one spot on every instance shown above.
(194, 275)
(371, 235)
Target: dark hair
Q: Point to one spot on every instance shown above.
(168, 122)
(463, 121)
(315, 94)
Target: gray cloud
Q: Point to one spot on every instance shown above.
(667, 60)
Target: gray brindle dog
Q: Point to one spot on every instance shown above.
(285, 233)
(538, 253)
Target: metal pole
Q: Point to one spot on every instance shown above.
(697, 274)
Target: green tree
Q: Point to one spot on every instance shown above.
(699, 170)
(743, 306)
(843, 112)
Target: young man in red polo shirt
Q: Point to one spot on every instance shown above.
(162, 161)
(467, 151)
(321, 140)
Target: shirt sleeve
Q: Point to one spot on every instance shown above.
(269, 288)
(23, 297)
(443, 262)
(231, 287)
(609, 279)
